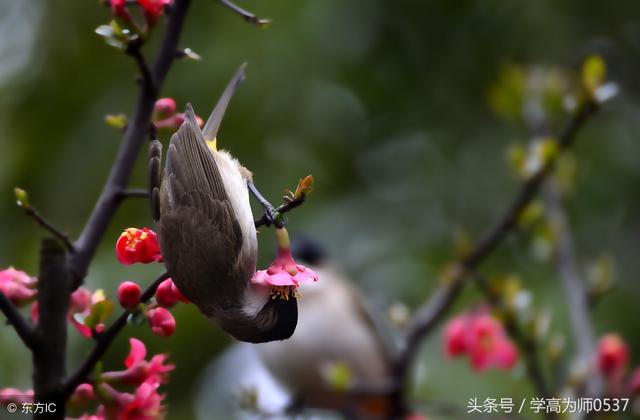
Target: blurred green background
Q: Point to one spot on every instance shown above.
(384, 102)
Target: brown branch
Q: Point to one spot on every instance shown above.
(53, 229)
(18, 322)
(574, 285)
(132, 141)
(442, 299)
(49, 358)
(246, 15)
(284, 208)
(104, 340)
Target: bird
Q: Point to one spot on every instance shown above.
(335, 328)
(206, 231)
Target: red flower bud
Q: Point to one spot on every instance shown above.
(612, 356)
(153, 9)
(164, 108)
(80, 300)
(18, 286)
(167, 294)
(119, 8)
(138, 246)
(129, 294)
(162, 322)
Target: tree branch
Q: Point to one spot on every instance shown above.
(32, 212)
(246, 15)
(49, 359)
(133, 139)
(434, 309)
(284, 208)
(574, 285)
(527, 344)
(104, 340)
(19, 323)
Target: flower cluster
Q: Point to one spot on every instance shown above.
(284, 276)
(612, 359)
(482, 338)
(141, 246)
(145, 376)
(166, 118)
(18, 286)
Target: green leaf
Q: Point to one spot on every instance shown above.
(117, 121)
(22, 197)
(99, 313)
(594, 72)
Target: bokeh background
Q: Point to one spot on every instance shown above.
(387, 103)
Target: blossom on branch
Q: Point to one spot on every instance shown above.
(482, 338)
(138, 246)
(167, 294)
(161, 321)
(153, 9)
(284, 276)
(140, 370)
(612, 356)
(18, 286)
(129, 294)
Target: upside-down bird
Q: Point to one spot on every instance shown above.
(200, 205)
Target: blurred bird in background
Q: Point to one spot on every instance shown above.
(337, 356)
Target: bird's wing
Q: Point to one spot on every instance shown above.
(199, 234)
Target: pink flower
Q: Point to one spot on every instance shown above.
(80, 300)
(284, 275)
(483, 339)
(153, 9)
(144, 404)
(455, 336)
(138, 246)
(162, 322)
(129, 294)
(167, 294)
(164, 108)
(17, 396)
(612, 356)
(82, 395)
(138, 369)
(18, 286)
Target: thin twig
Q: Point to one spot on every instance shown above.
(574, 285)
(32, 212)
(284, 208)
(134, 50)
(246, 15)
(104, 340)
(14, 317)
(132, 141)
(441, 300)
